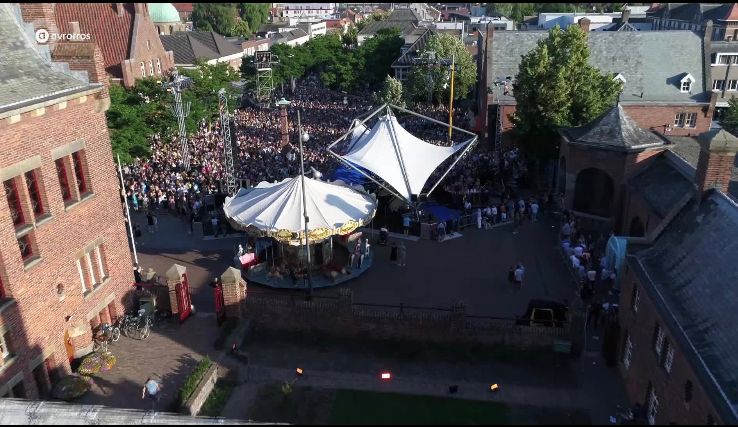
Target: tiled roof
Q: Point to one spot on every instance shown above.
(191, 45)
(689, 149)
(287, 36)
(651, 64)
(690, 11)
(374, 27)
(662, 186)
(183, 7)
(403, 15)
(732, 13)
(613, 130)
(420, 41)
(691, 273)
(110, 31)
(27, 75)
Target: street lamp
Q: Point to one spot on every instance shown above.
(304, 137)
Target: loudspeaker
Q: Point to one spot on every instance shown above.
(453, 389)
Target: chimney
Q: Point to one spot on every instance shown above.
(717, 158)
(85, 56)
(584, 24)
(74, 27)
(141, 9)
(41, 15)
(625, 16)
(119, 8)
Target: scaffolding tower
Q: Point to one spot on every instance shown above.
(181, 111)
(430, 60)
(264, 62)
(229, 175)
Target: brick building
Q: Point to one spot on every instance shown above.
(664, 86)
(673, 198)
(65, 264)
(124, 32)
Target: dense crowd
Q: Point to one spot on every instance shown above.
(160, 181)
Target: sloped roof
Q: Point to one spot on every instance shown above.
(287, 36)
(422, 38)
(651, 63)
(662, 186)
(374, 27)
(183, 7)
(690, 273)
(690, 11)
(27, 77)
(613, 130)
(403, 15)
(111, 32)
(688, 148)
(191, 45)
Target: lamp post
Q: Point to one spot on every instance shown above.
(304, 137)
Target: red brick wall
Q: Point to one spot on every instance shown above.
(38, 320)
(648, 117)
(644, 365)
(714, 170)
(656, 117)
(147, 47)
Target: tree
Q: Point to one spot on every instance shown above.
(378, 53)
(241, 29)
(729, 121)
(218, 17)
(556, 86)
(351, 38)
(255, 14)
(504, 9)
(445, 46)
(391, 92)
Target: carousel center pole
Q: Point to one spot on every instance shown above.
(304, 208)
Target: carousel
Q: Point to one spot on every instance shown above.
(305, 231)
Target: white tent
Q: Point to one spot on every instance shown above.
(395, 155)
(276, 210)
(359, 130)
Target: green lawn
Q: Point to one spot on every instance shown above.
(361, 407)
(307, 405)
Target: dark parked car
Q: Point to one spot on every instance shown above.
(545, 313)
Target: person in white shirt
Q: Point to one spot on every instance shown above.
(534, 211)
(494, 214)
(578, 251)
(519, 273)
(574, 261)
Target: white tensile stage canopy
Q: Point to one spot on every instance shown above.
(276, 209)
(400, 159)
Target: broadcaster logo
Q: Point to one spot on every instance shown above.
(43, 36)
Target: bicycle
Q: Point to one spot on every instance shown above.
(141, 324)
(104, 335)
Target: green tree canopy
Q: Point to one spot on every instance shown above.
(391, 92)
(445, 46)
(218, 17)
(255, 14)
(556, 86)
(729, 120)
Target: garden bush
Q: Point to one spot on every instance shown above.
(194, 379)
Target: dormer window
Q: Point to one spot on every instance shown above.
(620, 77)
(686, 83)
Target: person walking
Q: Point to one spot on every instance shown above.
(150, 221)
(519, 273)
(214, 222)
(401, 254)
(534, 211)
(151, 389)
(406, 224)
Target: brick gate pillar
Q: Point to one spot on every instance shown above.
(234, 292)
(174, 277)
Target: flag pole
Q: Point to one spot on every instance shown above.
(128, 212)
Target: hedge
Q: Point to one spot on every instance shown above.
(194, 379)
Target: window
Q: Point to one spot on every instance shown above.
(688, 390)
(682, 120)
(718, 84)
(6, 348)
(686, 86)
(79, 171)
(732, 85)
(34, 192)
(102, 271)
(82, 280)
(679, 119)
(143, 69)
(636, 299)
(61, 171)
(148, 44)
(653, 407)
(627, 350)
(25, 245)
(14, 201)
(669, 358)
(151, 68)
(158, 66)
(658, 339)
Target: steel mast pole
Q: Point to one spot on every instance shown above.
(451, 102)
(304, 208)
(128, 212)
